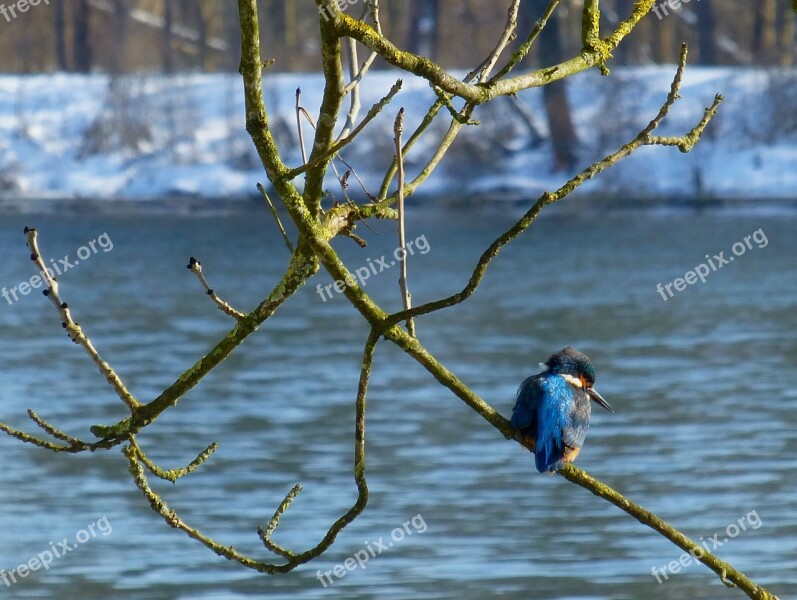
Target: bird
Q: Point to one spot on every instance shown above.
(553, 407)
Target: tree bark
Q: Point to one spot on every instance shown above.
(168, 23)
(424, 32)
(59, 34)
(765, 35)
(560, 121)
(82, 52)
(706, 30)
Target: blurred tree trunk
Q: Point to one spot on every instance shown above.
(168, 24)
(117, 62)
(764, 31)
(272, 17)
(707, 34)
(424, 31)
(202, 31)
(59, 34)
(291, 26)
(663, 38)
(549, 46)
(786, 35)
(82, 53)
(395, 16)
(623, 53)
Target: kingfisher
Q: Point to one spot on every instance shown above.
(552, 409)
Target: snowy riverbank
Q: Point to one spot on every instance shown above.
(147, 138)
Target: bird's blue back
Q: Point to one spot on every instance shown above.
(554, 414)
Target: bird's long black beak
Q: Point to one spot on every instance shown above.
(599, 399)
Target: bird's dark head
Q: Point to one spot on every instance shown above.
(578, 370)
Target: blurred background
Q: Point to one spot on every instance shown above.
(125, 119)
(134, 100)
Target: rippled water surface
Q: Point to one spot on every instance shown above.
(703, 385)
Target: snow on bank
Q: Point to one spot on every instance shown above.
(145, 137)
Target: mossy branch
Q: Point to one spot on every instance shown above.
(484, 92)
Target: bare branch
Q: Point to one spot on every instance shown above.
(480, 93)
(273, 210)
(73, 330)
(299, 124)
(196, 268)
(173, 474)
(372, 6)
(266, 532)
(521, 53)
(406, 297)
(507, 36)
(345, 141)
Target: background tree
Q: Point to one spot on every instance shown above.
(557, 107)
(82, 51)
(424, 30)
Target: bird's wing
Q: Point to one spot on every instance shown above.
(524, 415)
(553, 416)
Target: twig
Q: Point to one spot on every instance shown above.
(276, 216)
(75, 445)
(266, 532)
(299, 124)
(196, 268)
(73, 330)
(173, 474)
(398, 128)
(354, 101)
(56, 433)
(519, 54)
(507, 36)
(361, 72)
(341, 143)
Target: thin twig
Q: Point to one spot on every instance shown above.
(73, 330)
(522, 51)
(406, 297)
(341, 143)
(266, 532)
(484, 69)
(196, 268)
(173, 474)
(354, 101)
(53, 431)
(261, 188)
(363, 70)
(299, 124)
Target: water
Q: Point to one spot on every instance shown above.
(703, 385)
